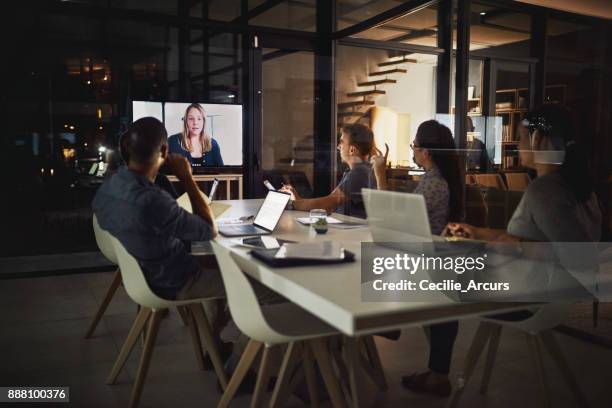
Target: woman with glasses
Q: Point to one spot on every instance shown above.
(434, 150)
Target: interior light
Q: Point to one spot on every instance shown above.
(100, 128)
(71, 127)
(232, 96)
(84, 144)
(105, 78)
(101, 149)
(482, 13)
(88, 82)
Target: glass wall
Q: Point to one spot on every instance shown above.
(393, 104)
(69, 97)
(292, 15)
(288, 118)
(418, 27)
(351, 12)
(577, 76)
(500, 51)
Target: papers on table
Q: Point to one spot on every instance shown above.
(332, 222)
(247, 219)
(348, 225)
(309, 220)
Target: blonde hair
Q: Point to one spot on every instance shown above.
(205, 138)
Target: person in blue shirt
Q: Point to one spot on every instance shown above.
(148, 221)
(194, 143)
(153, 228)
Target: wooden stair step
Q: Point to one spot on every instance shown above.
(354, 104)
(377, 82)
(389, 71)
(349, 114)
(366, 93)
(396, 62)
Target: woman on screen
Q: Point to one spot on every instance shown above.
(194, 142)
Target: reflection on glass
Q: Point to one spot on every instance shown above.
(379, 100)
(505, 31)
(291, 15)
(287, 118)
(418, 27)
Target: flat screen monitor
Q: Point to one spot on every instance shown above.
(223, 123)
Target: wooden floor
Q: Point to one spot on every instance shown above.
(43, 322)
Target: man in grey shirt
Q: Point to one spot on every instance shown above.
(355, 146)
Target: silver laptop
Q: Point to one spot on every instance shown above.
(397, 217)
(400, 221)
(267, 217)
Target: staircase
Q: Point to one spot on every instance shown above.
(351, 111)
(354, 106)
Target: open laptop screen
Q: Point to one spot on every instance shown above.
(271, 210)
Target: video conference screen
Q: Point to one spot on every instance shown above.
(221, 123)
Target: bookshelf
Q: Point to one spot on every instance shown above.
(512, 106)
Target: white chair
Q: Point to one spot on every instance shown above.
(538, 330)
(151, 307)
(106, 248)
(271, 325)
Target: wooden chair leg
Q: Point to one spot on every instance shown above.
(184, 314)
(375, 362)
(335, 350)
(491, 354)
(480, 340)
(195, 335)
(536, 356)
(351, 355)
(145, 359)
(263, 378)
(288, 364)
(209, 342)
(248, 356)
(322, 356)
(105, 302)
(311, 377)
(427, 334)
(550, 343)
(129, 343)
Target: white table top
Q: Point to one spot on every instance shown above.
(333, 293)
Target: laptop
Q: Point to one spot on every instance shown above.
(266, 219)
(398, 218)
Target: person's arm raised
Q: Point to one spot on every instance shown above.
(181, 168)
